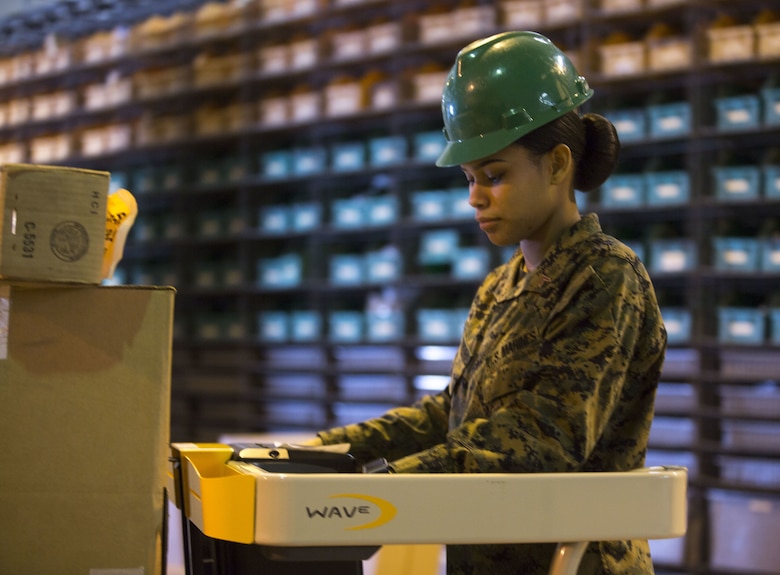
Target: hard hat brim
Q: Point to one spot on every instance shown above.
(463, 151)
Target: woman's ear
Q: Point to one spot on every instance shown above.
(561, 163)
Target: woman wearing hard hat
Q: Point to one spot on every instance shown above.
(562, 350)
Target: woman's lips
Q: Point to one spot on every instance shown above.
(487, 224)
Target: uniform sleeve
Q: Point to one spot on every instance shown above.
(398, 432)
(548, 401)
(419, 429)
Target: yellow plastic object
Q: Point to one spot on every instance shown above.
(217, 498)
(121, 210)
(409, 560)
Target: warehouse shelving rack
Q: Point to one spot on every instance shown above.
(227, 379)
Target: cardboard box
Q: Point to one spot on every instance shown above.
(522, 14)
(620, 5)
(53, 223)
(562, 11)
(84, 419)
(669, 53)
(731, 44)
(49, 148)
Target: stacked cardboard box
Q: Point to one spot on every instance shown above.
(84, 388)
(53, 223)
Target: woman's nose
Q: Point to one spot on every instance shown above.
(477, 196)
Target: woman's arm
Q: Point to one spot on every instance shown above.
(398, 432)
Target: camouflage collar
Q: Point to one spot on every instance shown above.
(556, 263)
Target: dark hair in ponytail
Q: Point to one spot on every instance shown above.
(593, 142)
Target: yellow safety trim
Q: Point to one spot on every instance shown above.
(220, 500)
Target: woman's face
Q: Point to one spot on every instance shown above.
(520, 197)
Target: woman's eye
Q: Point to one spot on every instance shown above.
(485, 179)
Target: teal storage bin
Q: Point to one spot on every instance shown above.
(733, 183)
(273, 326)
(346, 326)
(276, 164)
(280, 272)
(384, 326)
(274, 219)
(667, 187)
(387, 151)
(382, 210)
(305, 216)
(738, 112)
(309, 161)
(385, 265)
(735, 253)
(349, 213)
(771, 179)
(434, 325)
(631, 124)
(438, 246)
(672, 255)
(678, 323)
(741, 325)
(774, 326)
(770, 255)
(347, 269)
(428, 145)
(430, 205)
(348, 156)
(770, 98)
(669, 120)
(471, 263)
(623, 191)
(459, 204)
(305, 325)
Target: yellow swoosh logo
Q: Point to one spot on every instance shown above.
(386, 510)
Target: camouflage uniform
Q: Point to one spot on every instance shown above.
(556, 371)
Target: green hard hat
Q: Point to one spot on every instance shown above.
(501, 88)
